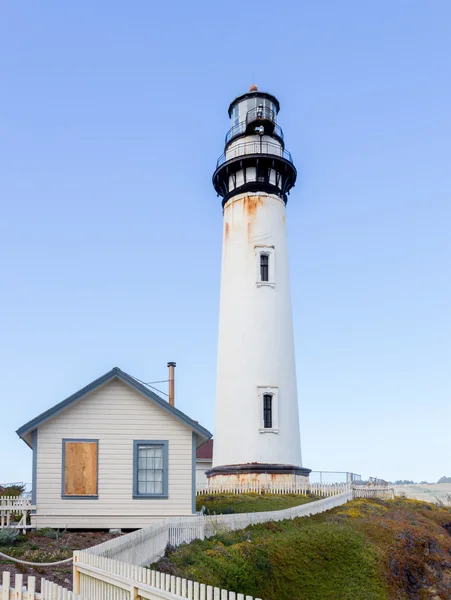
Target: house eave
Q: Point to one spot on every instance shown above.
(25, 430)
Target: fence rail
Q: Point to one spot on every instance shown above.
(49, 590)
(9, 507)
(323, 490)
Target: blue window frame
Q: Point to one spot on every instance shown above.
(150, 469)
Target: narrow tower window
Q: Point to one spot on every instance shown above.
(264, 267)
(267, 411)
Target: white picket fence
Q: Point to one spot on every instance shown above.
(101, 578)
(113, 570)
(363, 491)
(15, 506)
(49, 590)
(147, 545)
(316, 489)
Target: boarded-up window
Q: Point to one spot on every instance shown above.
(80, 467)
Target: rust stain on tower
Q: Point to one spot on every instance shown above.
(251, 203)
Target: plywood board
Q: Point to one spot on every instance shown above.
(80, 469)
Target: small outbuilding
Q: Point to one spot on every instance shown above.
(204, 461)
(112, 455)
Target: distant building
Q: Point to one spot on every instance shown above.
(204, 459)
(112, 455)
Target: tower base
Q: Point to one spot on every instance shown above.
(261, 474)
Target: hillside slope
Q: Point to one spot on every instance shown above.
(366, 550)
(223, 503)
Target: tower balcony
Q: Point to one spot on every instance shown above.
(252, 148)
(260, 116)
(254, 166)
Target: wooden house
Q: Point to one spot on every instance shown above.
(112, 455)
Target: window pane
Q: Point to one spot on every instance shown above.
(264, 267)
(150, 469)
(267, 411)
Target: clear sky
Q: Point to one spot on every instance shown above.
(112, 115)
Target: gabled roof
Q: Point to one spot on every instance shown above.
(115, 373)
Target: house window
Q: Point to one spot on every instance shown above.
(80, 468)
(267, 411)
(150, 469)
(264, 267)
(268, 403)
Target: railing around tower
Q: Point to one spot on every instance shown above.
(254, 147)
(260, 113)
(240, 129)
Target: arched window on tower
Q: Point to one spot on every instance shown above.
(264, 267)
(268, 403)
(267, 411)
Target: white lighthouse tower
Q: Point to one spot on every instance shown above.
(257, 424)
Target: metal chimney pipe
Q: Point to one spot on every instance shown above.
(171, 366)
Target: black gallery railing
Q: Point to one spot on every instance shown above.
(240, 129)
(257, 147)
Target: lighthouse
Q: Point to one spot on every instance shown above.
(257, 437)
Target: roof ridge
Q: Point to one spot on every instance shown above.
(115, 372)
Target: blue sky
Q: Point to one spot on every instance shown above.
(112, 117)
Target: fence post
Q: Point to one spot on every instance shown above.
(18, 584)
(76, 584)
(6, 584)
(134, 592)
(31, 587)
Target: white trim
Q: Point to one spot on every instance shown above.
(270, 252)
(274, 392)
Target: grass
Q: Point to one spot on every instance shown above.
(365, 550)
(242, 503)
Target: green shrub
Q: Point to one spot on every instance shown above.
(8, 536)
(13, 491)
(363, 550)
(53, 534)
